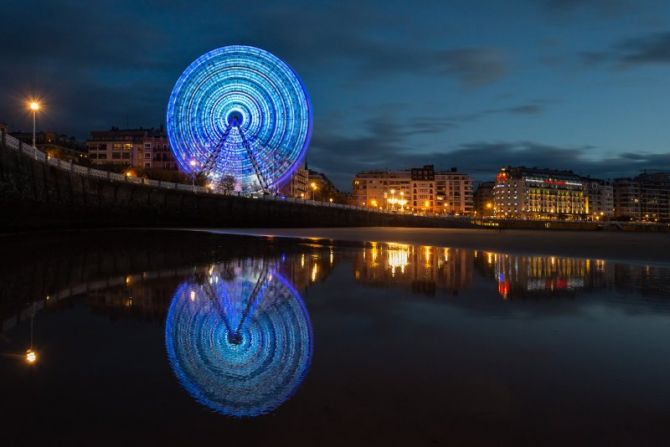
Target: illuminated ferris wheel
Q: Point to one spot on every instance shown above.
(240, 114)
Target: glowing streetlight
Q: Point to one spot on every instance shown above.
(193, 164)
(314, 188)
(31, 357)
(34, 106)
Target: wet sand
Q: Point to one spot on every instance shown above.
(637, 247)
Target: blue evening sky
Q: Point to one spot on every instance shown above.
(572, 84)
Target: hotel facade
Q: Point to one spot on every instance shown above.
(530, 193)
(418, 190)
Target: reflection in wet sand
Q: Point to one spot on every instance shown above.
(185, 334)
(428, 269)
(425, 269)
(543, 276)
(239, 338)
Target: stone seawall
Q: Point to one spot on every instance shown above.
(35, 195)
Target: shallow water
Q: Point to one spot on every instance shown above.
(166, 338)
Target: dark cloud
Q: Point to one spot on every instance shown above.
(110, 62)
(428, 125)
(114, 62)
(474, 66)
(645, 50)
(380, 149)
(531, 108)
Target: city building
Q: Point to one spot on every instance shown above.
(138, 148)
(48, 138)
(627, 199)
(296, 187)
(483, 199)
(643, 198)
(531, 193)
(56, 145)
(418, 190)
(600, 199)
(322, 189)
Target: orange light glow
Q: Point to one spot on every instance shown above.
(31, 357)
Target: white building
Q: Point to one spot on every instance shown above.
(419, 190)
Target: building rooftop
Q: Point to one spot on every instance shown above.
(116, 133)
(408, 171)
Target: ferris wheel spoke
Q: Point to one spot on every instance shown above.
(256, 296)
(212, 158)
(254, 162)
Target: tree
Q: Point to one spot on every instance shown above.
(227, 184)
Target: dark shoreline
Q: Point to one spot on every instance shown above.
(613, 246)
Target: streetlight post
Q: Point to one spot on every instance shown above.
(34, 107)
(193, 164)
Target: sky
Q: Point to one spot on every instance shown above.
(472, 84)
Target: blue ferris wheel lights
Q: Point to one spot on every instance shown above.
(240, 111)
(240, 346)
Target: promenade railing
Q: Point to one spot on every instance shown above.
(31, 151)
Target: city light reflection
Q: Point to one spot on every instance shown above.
(31, 357)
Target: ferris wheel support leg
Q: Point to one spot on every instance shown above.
(261, 178)
(209, 164)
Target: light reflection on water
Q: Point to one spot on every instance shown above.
(426, 269)
(239, 338)
(387, 320)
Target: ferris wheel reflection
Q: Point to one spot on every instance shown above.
(239, 338)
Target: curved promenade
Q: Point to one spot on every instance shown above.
(38, 192)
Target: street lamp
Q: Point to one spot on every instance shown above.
(193, 164)
(314, 188)
(34, 106)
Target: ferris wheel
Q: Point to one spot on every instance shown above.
(240, 113)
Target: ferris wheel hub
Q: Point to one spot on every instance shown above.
(235, 118)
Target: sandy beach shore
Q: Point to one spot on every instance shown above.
(637, 247)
